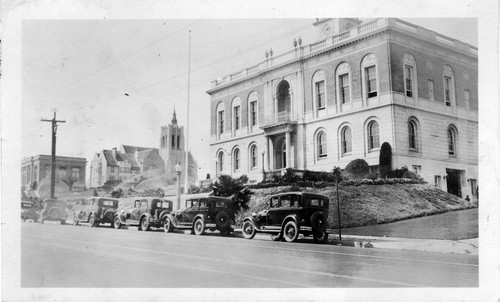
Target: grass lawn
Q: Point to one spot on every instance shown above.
(454, 225)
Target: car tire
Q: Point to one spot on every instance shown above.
(199, 227)
(276, 237)
(248, 230)
(117, 223)
(144, 224)
(291, 231)
(321, 238)
(317, 220)
(92, 222)
(222, 220)
(168, 226)
(54, 214)
(63, 221)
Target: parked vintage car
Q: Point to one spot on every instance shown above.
(54, 210)
(289, 215)
(95, 211)
(146, 212)
(29, 211)
(203, 212)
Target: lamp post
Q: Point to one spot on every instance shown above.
(178, 169)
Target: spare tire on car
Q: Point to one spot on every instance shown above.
(222, 220)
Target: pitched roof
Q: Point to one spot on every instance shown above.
(131, 149)
(108, 154)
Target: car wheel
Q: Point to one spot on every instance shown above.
(167, 226)
(92, 221)
(63, 221)
(199, 227)
(276, 237)
(321, 238)
(222, 220)
(248, 230)
(117, 223)
(145, 224)
(54, 214)
(291, 231)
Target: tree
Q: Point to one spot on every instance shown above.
(226, 186)
(385, 159)
(70, 181)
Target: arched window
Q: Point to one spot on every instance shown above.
(373, 136)
(236, 159)
(343, 83)
(410, 74)
(346, 140)
(220, 162)
(412, 135)
(321, 144)
(253, 157)
(449, 86)
(452, 141)
(369, 76)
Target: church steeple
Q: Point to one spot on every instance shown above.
(174, 118)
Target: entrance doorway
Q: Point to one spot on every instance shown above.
(453, 182)
(280, 154)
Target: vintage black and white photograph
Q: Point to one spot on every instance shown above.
(215, 156)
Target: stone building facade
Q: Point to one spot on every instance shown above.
(36, 171)
(359, 85)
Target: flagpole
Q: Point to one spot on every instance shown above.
(186, 174)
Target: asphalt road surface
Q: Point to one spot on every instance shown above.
(54, 255)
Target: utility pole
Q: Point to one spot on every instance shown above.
(53, 172)
(186, 173)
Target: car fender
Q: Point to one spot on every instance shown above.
(147, 215)
(292, 217)
(172, 218)
(120, 217)
(199, 216)
(254, 221)
(164, 215)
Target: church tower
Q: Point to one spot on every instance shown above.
(172, 145)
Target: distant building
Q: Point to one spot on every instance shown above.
(121, 164)
(172, 151)
(356, 86)
(36, 170)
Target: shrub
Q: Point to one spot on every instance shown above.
(357, 169)
(372, 176)
(385, 159)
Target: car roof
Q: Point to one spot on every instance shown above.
(300, 193)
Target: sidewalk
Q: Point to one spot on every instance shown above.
(468, 246)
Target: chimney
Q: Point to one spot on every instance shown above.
(114, 153)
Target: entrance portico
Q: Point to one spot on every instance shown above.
(279, 148)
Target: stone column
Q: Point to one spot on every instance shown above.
(275, 102)
(288, 149)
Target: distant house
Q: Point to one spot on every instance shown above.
(120, 165)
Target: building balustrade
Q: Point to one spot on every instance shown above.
(306, 50)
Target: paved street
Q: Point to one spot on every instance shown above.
(56, 255)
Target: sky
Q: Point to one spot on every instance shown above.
(117, 82)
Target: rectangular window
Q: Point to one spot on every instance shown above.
(417, 169)
(344, 88)
(253, 113)
(178, 142)
(408, 81)
(467, 99)
(430, 86)
(437, 181)
(447, 97)
(371, 81)
(221, 121)
(75, 173)
(236, 117)
(61, 173)
(320, 94)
